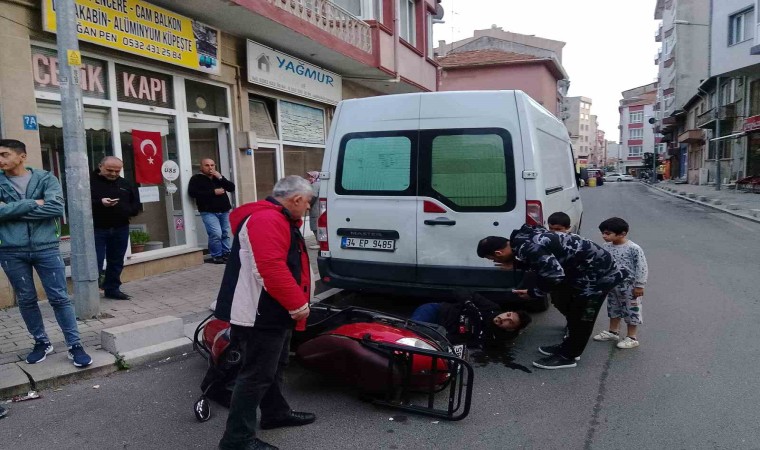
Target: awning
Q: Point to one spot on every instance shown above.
(50, 116)
(143, 122)
(730, 136)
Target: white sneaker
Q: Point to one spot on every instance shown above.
(606, 336)
(628, 342)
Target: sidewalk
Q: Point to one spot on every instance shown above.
(185, 294)
(737, 203)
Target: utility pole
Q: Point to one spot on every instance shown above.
(717, 135)
(84, 272)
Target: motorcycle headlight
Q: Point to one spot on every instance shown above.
(414, 342)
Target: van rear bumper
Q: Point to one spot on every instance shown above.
(413, 280)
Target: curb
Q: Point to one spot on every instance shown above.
(709, 205)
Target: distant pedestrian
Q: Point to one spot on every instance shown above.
(588, 271)
(265, 292)
(31, 204)
(625, 300)
(114, 201)
(313, 178)
(209, 189)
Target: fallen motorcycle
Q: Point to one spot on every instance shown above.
(393, 361)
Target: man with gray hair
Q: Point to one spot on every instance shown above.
(265, 294)
(114, 201)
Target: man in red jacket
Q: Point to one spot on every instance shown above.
(265, 292)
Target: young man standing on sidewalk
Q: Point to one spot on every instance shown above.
(31, 202)
(209, 189)
(585, 270)
(114, 201)
(265, 292)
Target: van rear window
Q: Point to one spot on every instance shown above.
(470, 170)
(376, 164)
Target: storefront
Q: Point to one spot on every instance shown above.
(141, 110)
(752, 128)
(290, 103)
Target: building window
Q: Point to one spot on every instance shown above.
(634, 151)
(636, 133)
(636, 117)
(740, 26)
(407, 20)
(363, 9)
(429, 36)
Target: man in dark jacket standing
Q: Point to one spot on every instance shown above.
(265, 292)
(209, 189)
(114, 201)
(581, 268)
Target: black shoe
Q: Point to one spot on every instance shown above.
(118, 295)
(551, 350)
(555, 362)
(256, 444)
(226, 257)
(293, 419)
(218, 260)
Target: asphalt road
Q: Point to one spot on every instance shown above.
(690, 385)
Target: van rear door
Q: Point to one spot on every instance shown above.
(468, 187)
(371, 208)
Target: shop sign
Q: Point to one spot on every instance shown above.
(170, 170)
(137, 27)
(93, 73)
(280, 71)
(144, 87)
(752, 123)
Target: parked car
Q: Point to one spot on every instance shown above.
(618, 177)
(410, 183)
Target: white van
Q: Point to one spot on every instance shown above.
(410, 183)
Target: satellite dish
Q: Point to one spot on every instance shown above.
(438, 12)
(652, 120)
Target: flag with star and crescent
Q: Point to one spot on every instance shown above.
(148, 156)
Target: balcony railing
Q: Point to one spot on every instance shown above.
(706, 119)
(658, 34)
(331, 18)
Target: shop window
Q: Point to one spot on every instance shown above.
(299, 160)
(162, 215)
(301, 123)
(260, 113)
(265, 161)
(98, 143)
(144, 87)
(206, 99)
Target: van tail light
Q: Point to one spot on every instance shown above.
(534, 213)
(322, 226)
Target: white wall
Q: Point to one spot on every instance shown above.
(725, 58)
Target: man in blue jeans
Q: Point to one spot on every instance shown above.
(114, 201)
(31, 202)
(209, 189)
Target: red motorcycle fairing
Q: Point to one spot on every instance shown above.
(343, 354)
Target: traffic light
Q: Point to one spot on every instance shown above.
(646, 161)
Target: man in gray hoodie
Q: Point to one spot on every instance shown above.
(31, 203)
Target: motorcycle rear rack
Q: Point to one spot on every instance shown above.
(401, 395)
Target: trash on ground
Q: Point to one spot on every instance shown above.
(31, 395)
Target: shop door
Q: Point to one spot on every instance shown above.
(208, 140)
(267, 172)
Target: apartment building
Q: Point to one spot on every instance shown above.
(494, 59)
(582, 125)
(682, 67)
(637, 134)
(250, 84)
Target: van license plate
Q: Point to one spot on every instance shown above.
(387, 245)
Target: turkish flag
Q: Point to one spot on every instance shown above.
(148, 156)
